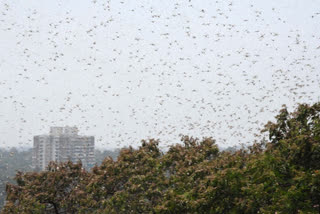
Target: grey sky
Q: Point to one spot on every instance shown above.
(129, 70)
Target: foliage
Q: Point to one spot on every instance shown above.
(281, 175)
(13, 160)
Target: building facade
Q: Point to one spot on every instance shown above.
(61, 145)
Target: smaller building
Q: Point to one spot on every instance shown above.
(61, 145)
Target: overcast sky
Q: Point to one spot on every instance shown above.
(130, 70)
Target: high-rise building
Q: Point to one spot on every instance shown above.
(63, 144)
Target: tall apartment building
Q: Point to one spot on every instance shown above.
(61, 145)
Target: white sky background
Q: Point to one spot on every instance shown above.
(130, 70)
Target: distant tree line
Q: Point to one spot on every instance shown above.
(280, 175)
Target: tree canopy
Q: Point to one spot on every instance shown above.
(279, 175)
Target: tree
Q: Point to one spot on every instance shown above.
(57, 190)
(281, 175)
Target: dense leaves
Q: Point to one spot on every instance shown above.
(13, 160)
(281, 175)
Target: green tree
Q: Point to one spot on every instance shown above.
(281, 175)
(57, 190)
